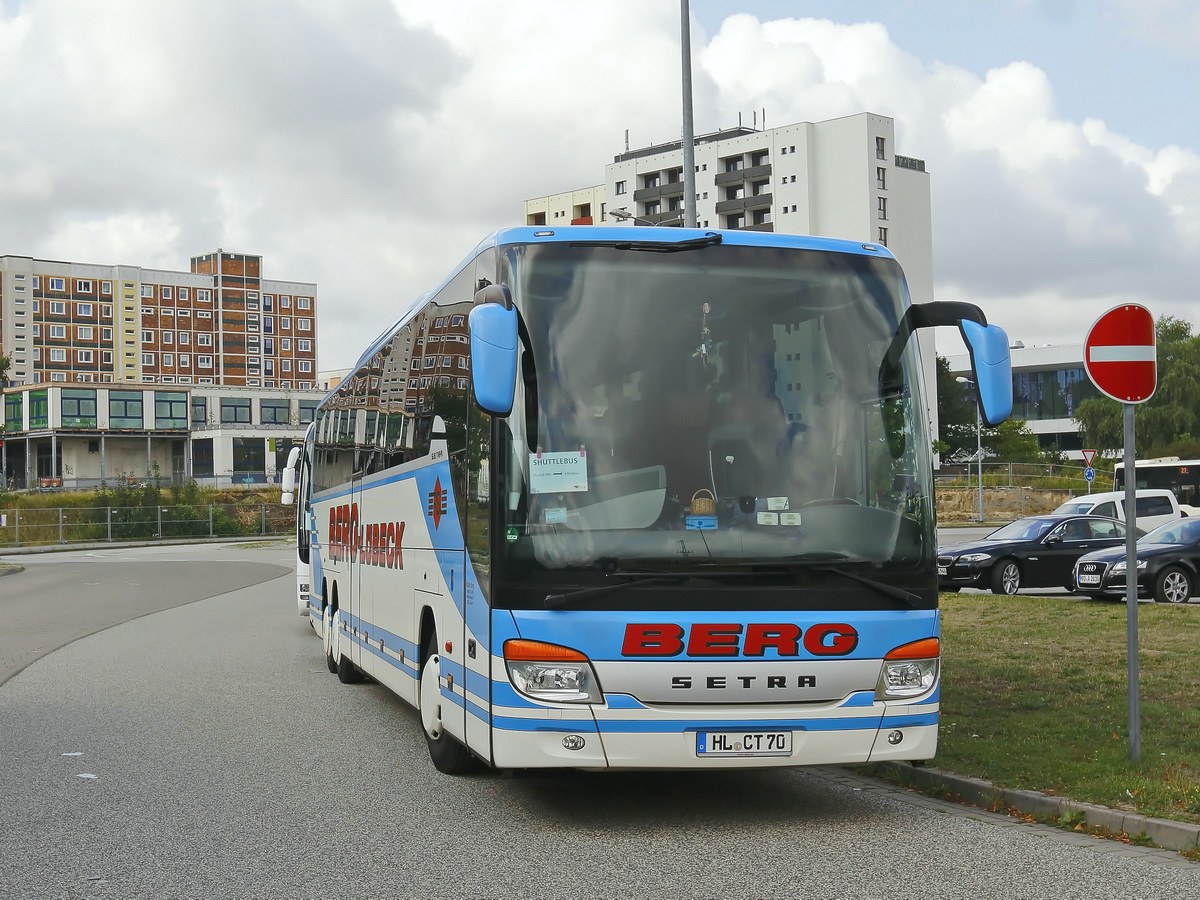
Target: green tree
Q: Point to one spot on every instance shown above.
(1167, 421)
(5, 363)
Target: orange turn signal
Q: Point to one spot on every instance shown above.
(926, 648)
(540, 651)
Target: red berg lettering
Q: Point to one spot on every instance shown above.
(652, 640)
(399, 559)
(714, 640)
(830, 639)
(355, 535)
(784, 638)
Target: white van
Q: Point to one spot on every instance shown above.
(1155, 506)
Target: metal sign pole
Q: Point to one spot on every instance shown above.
(1131, 591)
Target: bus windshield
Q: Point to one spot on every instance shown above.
(719, 405)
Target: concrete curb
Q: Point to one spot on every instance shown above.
(122, 545)
(1165, 833)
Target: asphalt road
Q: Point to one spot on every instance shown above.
(204, 751)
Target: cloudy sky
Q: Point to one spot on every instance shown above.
(367, 145)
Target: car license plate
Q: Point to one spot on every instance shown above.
(1088, 579)
(744, 743)
(941, 570)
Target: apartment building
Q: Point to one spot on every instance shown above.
(220, 323)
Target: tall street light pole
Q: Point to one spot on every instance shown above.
(978, 437)
(689, 138)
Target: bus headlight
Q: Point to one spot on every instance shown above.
(551, 673)
(909, 670)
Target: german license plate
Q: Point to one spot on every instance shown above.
(941, 570)
(1089, 579)
(744, 743)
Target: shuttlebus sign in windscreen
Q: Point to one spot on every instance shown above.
(1120, 356)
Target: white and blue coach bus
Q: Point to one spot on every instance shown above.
(643, 498)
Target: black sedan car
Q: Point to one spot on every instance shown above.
(1168, 559)
(1037, 551)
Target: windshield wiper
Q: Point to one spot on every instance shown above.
(820, 562)
(555, 601)
(707, 240)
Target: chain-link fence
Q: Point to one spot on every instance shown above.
(71, 525)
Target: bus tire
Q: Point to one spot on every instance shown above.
(1173, 585)
(448, 755)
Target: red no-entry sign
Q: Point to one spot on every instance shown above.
(1120, 354)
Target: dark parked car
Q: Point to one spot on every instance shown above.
(1037, 551)
(1168, 559)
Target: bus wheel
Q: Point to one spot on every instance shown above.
(448, 755)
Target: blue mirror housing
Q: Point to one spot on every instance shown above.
(493, 356)
(991, 367)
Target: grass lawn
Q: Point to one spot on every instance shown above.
(1034, 696)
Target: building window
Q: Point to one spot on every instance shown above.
(881, 178)
(304, 365)
(83, 332)
(285, 365)
(170, 410)
(83, 356)
(168, 359)
(760, 158)
(58, 376)
(762, 216)
(880, 148)
(274, 412)
(203, 295)
(199, 410)
(883, 207)
(106, 310)
(737, 220)
(78, 408)
(204, 362)
(308, 411)
(183, 293)
(303, 303)
(235, 410)
(125, 409)
(184, 337)
(105, 334)
(185, 360)
(58, 354)
(57, 285)
(285, 344)
(204, 340)
(650, 180)
(285, 302)
(148, 359)
(285, 323)
(58, 331)
(168, 337)
(83, 286)
(57, 308)
(147, 290)
(883, 235)
(733, 163)
(106, 288)
(203, 314)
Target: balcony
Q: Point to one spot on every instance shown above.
(651, 193)
(758, 201)
(728, 206)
